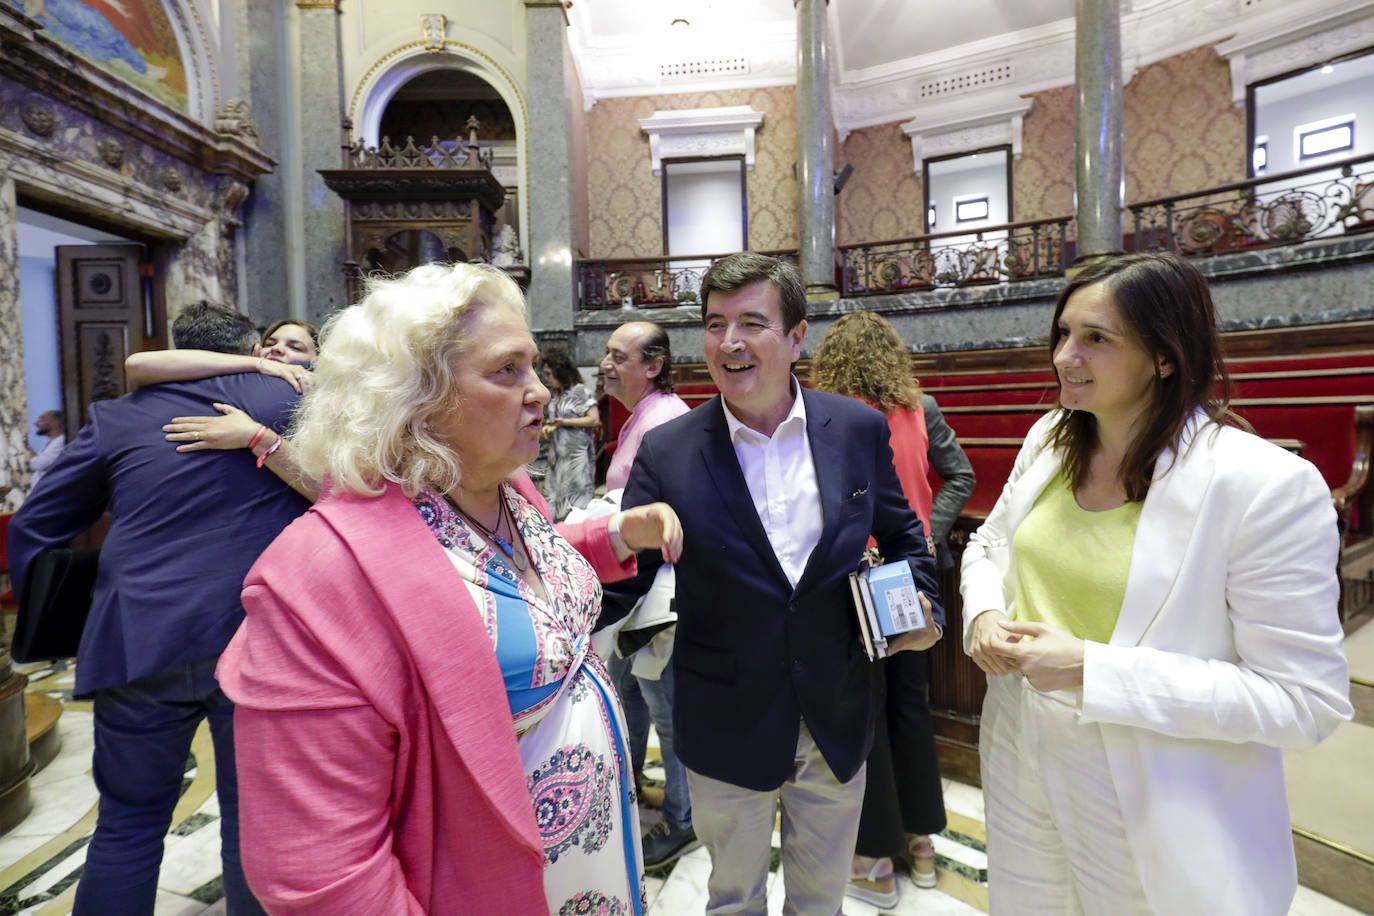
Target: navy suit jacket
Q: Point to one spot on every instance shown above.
(753, 655)
(185, 527)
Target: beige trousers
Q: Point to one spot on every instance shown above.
(820, 822)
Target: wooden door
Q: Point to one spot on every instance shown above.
(104, 315)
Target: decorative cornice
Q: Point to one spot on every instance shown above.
(80, 182)
(952, 127)
(1272, 46)
(415, 184)
(67, 79)
(318, 5)
(725, 131)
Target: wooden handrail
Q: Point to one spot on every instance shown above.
(1332, 400)
(953, 233)
(1359, 471)
(1254, 182)
(667, 259)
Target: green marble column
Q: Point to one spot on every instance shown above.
(1099, 157)
(815, 151)
(319, 107)
(551, 245)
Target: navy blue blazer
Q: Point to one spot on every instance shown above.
(185, 527)
(753, 655)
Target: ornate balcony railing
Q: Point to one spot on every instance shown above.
(1015, 251)
(1323, 201)
(1282, 209)
(647, 282)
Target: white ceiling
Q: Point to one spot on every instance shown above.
(892, 60)
(874, 33)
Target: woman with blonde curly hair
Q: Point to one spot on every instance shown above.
(420, 725)
(862, 356)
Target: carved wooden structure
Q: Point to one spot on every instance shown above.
(413, 205)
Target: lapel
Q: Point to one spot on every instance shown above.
(1165, 531)
(722, 464)
(449, 646)
(828, 456)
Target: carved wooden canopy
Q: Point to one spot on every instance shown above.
(413, 205)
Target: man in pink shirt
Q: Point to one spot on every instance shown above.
(637, 374)
(636, 368)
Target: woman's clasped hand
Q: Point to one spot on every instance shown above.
(1049, 658)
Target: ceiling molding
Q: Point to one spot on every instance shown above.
(702, 132)
(1275, 46)
(977, 72)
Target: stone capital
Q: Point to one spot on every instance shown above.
(550, 4)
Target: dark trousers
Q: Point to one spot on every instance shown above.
(903, 793)
(143, 733)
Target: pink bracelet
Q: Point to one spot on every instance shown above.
(257, 437)
(270, 449)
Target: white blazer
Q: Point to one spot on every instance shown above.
(1228, 647)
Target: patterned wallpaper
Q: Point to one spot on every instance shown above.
(1042, 179)
(625, 196)
(883, 198)
(1182, 134)
(1182, 131)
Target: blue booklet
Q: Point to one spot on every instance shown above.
(887, 603)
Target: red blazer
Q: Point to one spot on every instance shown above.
(377, 765)
(910, 448)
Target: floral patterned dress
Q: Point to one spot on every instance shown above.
(568, 722)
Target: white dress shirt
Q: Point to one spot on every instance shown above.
(782, 481)
(45, 459)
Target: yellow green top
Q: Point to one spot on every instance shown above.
(1071, 564)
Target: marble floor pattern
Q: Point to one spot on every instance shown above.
(41, 859)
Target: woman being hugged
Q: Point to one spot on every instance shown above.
(420, 725)
(1154, 600)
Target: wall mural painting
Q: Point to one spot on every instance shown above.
(131, 38)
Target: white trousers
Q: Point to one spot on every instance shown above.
(1057, 842)
(820, 824)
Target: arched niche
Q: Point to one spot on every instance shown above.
(401, 65)
(411, 248)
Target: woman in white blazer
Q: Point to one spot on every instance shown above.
(1154, 599)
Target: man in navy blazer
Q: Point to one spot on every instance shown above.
(184, 530)
(778, 489)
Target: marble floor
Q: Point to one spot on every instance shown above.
(41, 859)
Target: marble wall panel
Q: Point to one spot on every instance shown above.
(625, 203)
(194, 271)
(78, 138)
(14, 424)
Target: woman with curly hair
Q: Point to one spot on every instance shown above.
(862, 356)
(571, 423)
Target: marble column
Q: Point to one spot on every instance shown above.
(262, 63)
(551, 245)
(815, 151)
(319, 95)
(14, 421)
(1098, 144)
